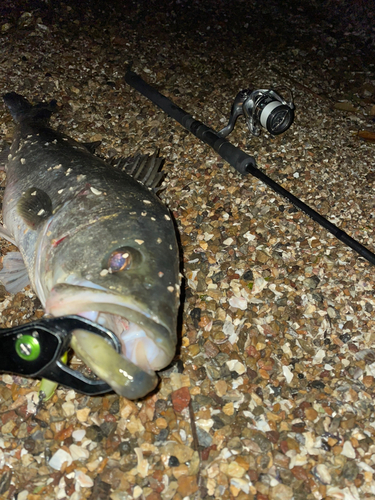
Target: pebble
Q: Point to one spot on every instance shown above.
(235, 470)
(281, 492)
(59, 458)
(187, 485)
(78, 435)
(204, 438)
(180, 399)
(83, 479)
(78, 453)
(68, 408)
(181, 452)
(322, 473)
(82, 414)
(348, 450)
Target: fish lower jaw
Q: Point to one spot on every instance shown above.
(137, 346)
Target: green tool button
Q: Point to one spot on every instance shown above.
(28, 347)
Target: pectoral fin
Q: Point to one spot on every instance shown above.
(7, 235)
(14, 275)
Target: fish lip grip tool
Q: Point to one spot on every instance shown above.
(35, 349)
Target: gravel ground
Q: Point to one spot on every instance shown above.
(271, 394)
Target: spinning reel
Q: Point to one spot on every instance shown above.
(261, 108)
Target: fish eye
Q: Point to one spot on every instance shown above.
(122, 259)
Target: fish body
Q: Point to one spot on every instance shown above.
(95, 242)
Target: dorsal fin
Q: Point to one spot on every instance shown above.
(146, 169)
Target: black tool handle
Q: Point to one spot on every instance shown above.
(52, 338)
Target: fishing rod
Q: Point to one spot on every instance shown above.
(261, 108)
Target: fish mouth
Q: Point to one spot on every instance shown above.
(147, 344)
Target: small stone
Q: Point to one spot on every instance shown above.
(204, 438)
(221, 387)
(322, 473)
(187, 485)
(300, 473)
(23, 495)
(173, 461)
(8, 427)
(124, 448)
(368, 381)
(348, 423)
(181, 452)
(228, 409)
(312, 282)
(83, 479)
(205, 423)
(281, 492)
(68, 408)
(350, 470)
(78, 435)
(29, 444)
(240, 484)
(261, 440)
(311, 414)
(108, 428)
(94, 433)
(5, 479)
(78, 453)
(211, 349)
(235, 470)
(161, 423)
(135, 426)
(180, 399)
(236, 366)
(59, 458)
(82, 415)
(348, 450)
(238, 303)
(262, 257)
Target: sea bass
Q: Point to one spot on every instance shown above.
(94, 242)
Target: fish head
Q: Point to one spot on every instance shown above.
(120, 269)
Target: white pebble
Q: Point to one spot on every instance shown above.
(348, 450)
(235, 366)
(238, 303)
(78, 435)
(287, 374)
(23, 495)
(137, 492)
(323, 474)
(78, 453)
(84, 480)
(228, 241)
(59, 458)
(68, 408)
